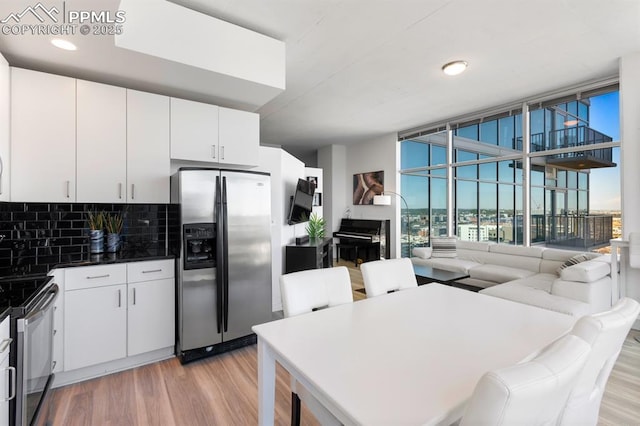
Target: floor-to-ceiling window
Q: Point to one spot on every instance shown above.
(569, 142)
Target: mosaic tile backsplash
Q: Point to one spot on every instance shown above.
(34, 237)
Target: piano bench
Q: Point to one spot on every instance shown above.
(348, 246)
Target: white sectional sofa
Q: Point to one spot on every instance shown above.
(530, 275)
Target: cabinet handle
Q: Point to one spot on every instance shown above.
(151, 271)
(68, 189)
(120, 190)
(98, 276)
(133, 191)
(55, 332)
(222, 153)
(134, 295)
(213, 151)
(5, 344)
(13, 383)
(119, 298)
(53, 365)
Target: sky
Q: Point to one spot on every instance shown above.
(605, 183)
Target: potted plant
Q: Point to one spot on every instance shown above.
(96, 220)
(114, 228)
(315, 227)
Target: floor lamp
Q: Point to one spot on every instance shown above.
(385, 200)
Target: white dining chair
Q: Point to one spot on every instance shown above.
(386, 276)
(531, 393)
(605, 332)
(302, 293)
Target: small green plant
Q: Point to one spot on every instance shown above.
(96, 220)
(315, 226)
(114, 223)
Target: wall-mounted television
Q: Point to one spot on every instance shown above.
(301, 202)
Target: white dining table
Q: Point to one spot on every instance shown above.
(411, 357)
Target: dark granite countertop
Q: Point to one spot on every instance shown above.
(123, 256)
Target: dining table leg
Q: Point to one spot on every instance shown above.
(266, 384)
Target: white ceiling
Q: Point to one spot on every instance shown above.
(360, 68)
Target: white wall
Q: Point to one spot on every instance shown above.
(333, 161)
(630, 172)
(370, 156)
(285, 171)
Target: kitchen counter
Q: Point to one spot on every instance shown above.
(123, 256)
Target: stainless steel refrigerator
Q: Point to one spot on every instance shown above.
(224, 268)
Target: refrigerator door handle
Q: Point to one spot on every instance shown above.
(219, 252)
(225, 235)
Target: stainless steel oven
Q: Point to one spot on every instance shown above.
(32, 330)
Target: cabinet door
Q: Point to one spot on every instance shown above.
(43, 137)
(95, 322)
(148, 164)
(5, 116)
(194, 131)
(239, 137)
(102, 143)
(5, 391)
(151, 316)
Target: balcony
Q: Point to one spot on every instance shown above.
(580, 232)
(571, 137)
(580, 136)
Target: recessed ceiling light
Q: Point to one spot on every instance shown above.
(63, 44)
(454, 68)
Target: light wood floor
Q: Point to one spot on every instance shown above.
(223, 391)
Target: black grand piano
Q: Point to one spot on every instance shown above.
(363, 239)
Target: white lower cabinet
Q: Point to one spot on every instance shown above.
(113, 312)
(7, 385)
(151, 295)
(96, 326)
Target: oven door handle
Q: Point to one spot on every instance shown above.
(48, 300)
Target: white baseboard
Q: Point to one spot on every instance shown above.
(69, 377)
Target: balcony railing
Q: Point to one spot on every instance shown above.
(578, 231)
(571, 137)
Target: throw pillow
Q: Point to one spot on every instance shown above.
(578, 258)
(422, 252)
(443, 247)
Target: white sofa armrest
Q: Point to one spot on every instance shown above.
(422, 252)
(596, 293)
(589, 271)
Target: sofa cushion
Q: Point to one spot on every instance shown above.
(591, 270)
(517, 250)
(518, 262)
(573, 260)
(473, 245)
(443, 247)
(596, 293)
(448, 264)
(518, 292)
(422, 252)
(498, 273)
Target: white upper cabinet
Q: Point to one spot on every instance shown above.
(43, 137)
(239, 137)
(194, 131)
(148, 164)
(5, 116)
(101, 143)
